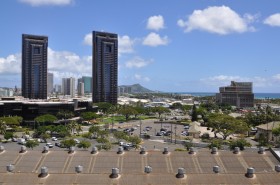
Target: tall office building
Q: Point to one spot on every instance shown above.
(34, 66)
(50, 83)
(87, 80)
(81, 88)
(104, 67)
(68, 86)
(239, 94)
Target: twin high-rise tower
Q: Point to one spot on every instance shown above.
(34, 66)
(104, 67)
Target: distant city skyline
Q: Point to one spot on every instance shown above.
(172, 46)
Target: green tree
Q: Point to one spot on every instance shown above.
(3, 127)
(46, 118)
(135, 140)
(160, 110)
(86, 135)
(241, 143)
(177, 106)
(186, 108)
(11, 121)
(68, 143)
(139, 110)
(215, 143)
(226, 125)
(104, 106)
(127, 111)
(72, 126)
(89, 116)
(31, 144)
(119, 135)
(84, 144)
(103, 133)
(8, 135)
(79, 128)
(194, 113)
(94, 130)
(65, 114)
(45, 136)
(102, 140)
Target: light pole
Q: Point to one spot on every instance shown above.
(175, 133)
(140, 128)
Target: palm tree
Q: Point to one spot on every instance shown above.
(72, 126)
(79, 128)
(3, 127)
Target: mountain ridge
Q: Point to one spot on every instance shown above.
(135, 88)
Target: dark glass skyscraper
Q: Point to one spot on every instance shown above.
(105, 67)
(34, 66)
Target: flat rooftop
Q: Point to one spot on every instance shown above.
(98, 167)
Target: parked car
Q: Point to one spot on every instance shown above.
(54, 138)
(148, 128)
(58, 144)
(159, 134)
(50, 145)
(21, 141)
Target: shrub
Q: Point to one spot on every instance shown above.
(241, 143)
(180, 149)
(215, 143)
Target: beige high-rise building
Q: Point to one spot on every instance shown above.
(239, 94)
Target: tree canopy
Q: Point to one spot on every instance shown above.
(160, 110)
(46, 118)
(226, 125)
(104, 106)
(127, 111)
(12, 120)
(31, 144)
(89, 116)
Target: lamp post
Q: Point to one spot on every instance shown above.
(175, 133)
(140, 128)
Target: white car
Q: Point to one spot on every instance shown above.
(76, 141)
(50, 145)
(54, 138)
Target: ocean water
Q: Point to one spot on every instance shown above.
(257, 95)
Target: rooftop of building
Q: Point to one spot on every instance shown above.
(269, 126)
(98, 167)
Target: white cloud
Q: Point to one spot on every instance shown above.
(155, 22)
(61, 61)
(125, 43)
(276, 77)
(47, 2)
(141, 78)
(10, 65)
(273, 20)
(217, 19)
(154, 40)
(88, 39)
(224, 80)
(137, 62)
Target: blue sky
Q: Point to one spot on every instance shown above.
(171, 45)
